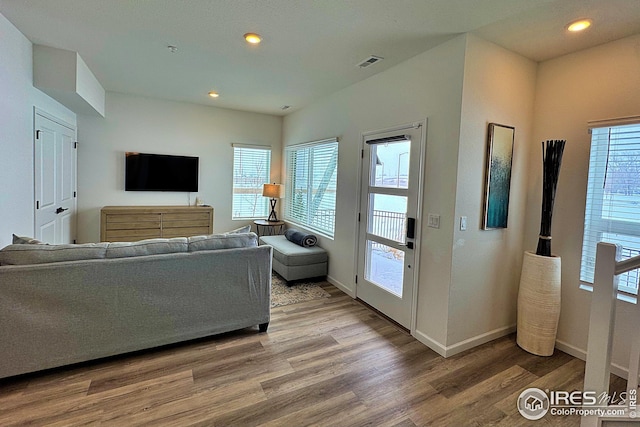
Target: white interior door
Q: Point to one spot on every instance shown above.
(55, 168)
(389, 218)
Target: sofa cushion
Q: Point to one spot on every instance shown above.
(23, 254)
(222, 241)
(24, 240)
(147, 247)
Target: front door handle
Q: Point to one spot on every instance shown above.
(411, 228)
(60, 210)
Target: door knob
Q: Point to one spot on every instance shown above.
(60, 210)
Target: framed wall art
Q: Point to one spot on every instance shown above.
(498, 176)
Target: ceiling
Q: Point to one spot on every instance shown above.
(310, 48)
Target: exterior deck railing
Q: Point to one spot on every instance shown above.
(390, 225)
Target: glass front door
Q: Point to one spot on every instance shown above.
(389, 207)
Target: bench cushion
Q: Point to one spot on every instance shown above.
(288, 253)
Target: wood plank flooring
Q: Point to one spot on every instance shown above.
(327, 362)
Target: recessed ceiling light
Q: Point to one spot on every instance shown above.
(214, 94)
(579, 25)
(253, 38)
(285, 107)
(172, 49)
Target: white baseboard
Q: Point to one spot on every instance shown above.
(431, 343)
(581, 354)
(479, 340)
(341, 286)
(572, 350)
(447, 351)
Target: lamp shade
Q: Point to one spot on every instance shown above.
(273, 191)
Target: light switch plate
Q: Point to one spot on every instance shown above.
(433, 221)
(463, 223)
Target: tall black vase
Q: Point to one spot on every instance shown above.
(551, 160)
(544, 246)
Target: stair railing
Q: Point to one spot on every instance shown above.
(601, 327)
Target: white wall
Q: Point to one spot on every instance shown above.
(16, 118)
(426, 86)
(468, 280)
(499, 87)
(17, 103)
(598, 83)
(148, 125)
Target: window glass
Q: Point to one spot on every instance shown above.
(251, 169)
(312, 177)
(612, 211)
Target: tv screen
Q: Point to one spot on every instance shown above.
(160, 172)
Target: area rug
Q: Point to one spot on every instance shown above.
(281, 294)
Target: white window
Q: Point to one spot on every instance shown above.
(613, 199)
(251, 169)
(312, 177)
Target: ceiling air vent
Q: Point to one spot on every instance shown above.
(370, 61)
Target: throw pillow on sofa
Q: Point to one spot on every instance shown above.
(222, 241)
(24, 240)
(241, 230)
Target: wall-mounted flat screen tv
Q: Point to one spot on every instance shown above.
(160, 172)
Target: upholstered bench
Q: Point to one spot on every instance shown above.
(294, 262)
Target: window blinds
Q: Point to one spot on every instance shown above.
(312, 171)
(612, 211)
(251, 169)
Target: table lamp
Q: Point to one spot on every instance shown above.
(274, 192)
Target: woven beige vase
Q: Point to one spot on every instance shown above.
(539, 303)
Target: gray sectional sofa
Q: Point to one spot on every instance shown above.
(72, 303)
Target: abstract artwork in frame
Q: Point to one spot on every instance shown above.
(498, 176)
